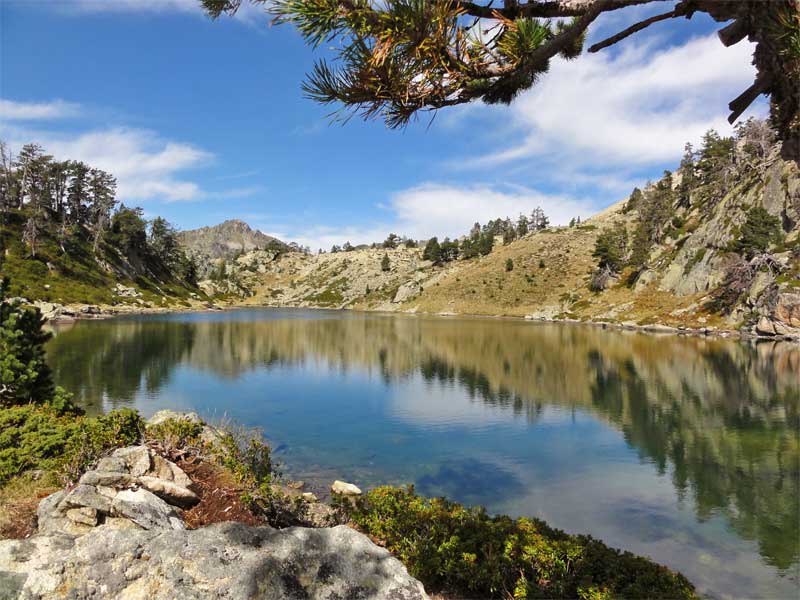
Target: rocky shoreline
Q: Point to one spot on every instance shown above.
(122, 532)
(766, 328)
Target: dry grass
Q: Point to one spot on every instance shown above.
(19, 499)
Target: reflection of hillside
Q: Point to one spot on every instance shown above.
(722, 415)
(99, 361)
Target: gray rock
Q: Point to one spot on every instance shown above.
(407, 291)
(169, 491)
(227, 560)
(146, 510)
(48, 514)
(86, 495)
(113, 464)
(106, 478)
(168, 471)
(83, 515)
(765, 327)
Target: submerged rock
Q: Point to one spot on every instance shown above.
(226, 560)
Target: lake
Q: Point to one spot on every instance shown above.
(686, 450)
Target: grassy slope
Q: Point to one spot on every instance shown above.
(550, 278)
(77, 276)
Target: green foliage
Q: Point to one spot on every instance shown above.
(640, 247)
(611, 247)
(24, 375)
(541, 263)
(465, 552)
(244, 453)
(432, 251)
(385, 264)
(173, 434)
(757, 234)
(34, 437)
(449, 250)
(634, 200)
(509, 265)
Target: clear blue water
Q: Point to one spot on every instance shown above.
(686, 450)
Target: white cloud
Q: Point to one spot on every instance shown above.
(638, 106)
(145, 165)
(440, 210)
(11, 110)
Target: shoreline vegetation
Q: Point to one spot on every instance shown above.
(47, 444)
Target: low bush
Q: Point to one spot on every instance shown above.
(41, 438)
(175, 434)
(464, 551)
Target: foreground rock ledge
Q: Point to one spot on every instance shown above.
(225, 560)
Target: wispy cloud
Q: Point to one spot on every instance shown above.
(11, 110)
(635, 107)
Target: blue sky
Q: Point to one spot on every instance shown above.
(203, 121)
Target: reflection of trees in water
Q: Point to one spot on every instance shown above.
(113, 362)
(738, 463)
(723, 415)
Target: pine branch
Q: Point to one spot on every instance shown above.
(680, 10)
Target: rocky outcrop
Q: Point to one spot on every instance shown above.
(133, 484)
(120, 533)
(783, 319)
(226, 560)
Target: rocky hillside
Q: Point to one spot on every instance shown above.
(117, 274)
(226, 241)
(682, 258)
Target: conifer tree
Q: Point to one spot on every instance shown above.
(395, 58)
(24, 375)
(433, 251)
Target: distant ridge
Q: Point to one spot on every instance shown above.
(227, 240)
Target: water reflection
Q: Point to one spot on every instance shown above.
(718, 418)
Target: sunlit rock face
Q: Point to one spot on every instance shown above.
(226, 560)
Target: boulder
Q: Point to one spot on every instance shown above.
(787, 310)
(168, 471)
(106, 478)
(177, 495)
(146, 510)
(83, 515)
(137, 459)
(345, 489)
(226, 561)
(86, 495)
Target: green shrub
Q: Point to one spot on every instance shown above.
(35, 437)
(173, 434)
(24, 374)
(759, 231)
(465, 552)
